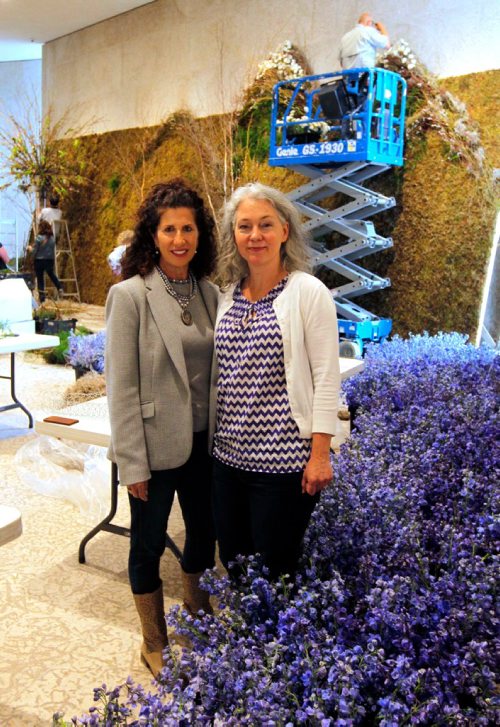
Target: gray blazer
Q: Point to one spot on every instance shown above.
(146, 379)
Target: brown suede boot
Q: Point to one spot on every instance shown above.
(195, 598)
(154, 629)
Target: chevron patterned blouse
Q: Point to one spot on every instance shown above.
(255, 428)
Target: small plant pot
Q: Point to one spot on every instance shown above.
(80, 371)
(51, 327)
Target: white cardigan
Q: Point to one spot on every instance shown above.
(308, 321)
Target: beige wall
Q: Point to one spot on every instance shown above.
(137, 68)
(20, 97)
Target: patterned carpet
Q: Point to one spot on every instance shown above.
(64, 627)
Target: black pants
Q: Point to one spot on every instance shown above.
(192, 482)
(257, 512)
(42, 267)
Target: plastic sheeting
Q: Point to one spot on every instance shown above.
(79, 473)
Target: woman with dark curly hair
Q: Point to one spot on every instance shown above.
(159, 378)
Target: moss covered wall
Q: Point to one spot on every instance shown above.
(105, 207)
(481, 93)
(441, 244)
(441, 227)
(122, 165)
(443, 236)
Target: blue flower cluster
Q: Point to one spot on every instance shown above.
(87, 351)
(391, 618)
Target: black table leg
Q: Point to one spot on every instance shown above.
(107, 526)
(17, 404)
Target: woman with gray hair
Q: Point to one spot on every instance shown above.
(277, 349)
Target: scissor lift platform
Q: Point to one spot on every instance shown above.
(340, 130)
(334, 118)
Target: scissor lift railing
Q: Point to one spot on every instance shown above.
(340, 135)
(354, 115)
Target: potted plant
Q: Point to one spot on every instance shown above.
(58, 354)
(302, 130)
(50, 320)
(5, 331)
(86, 353)
(53, 326)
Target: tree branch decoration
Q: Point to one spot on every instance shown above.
(41, 155)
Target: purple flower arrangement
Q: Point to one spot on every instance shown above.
(391, 619)
(87, 352)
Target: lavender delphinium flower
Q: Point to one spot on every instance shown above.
(87, 351)
(391, 618)
(420, 476)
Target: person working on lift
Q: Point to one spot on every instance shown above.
(358, 47)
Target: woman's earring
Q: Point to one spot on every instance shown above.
(156, 254)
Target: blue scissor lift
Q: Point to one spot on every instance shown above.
(340, 130)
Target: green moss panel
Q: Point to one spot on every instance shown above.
(441, 227)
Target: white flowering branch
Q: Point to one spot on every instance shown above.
(439, 110)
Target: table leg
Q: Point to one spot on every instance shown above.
(107, 526)
(17, 404)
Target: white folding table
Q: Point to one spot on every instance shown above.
(10, 524)
(93, 428)
(350, 366)
(14, 344)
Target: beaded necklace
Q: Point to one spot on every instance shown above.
(183, 299)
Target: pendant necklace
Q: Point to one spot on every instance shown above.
(183, 299)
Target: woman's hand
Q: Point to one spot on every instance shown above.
(139, 490)
(318, 472)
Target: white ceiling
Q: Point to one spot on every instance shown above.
(38, 21)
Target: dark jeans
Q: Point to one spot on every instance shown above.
(42, 267)
(192, 482)
(257, 512)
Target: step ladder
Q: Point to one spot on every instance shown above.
(65, 261)
(341, 135)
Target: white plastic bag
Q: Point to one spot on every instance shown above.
(75, 472)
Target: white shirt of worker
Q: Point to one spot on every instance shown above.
(50, 214)
(358, 47)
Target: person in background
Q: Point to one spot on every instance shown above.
(358, 47)
(4, 258)
(159, 382)
(278, 386)
(44, 251)
(115, 256)
(53, 213)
